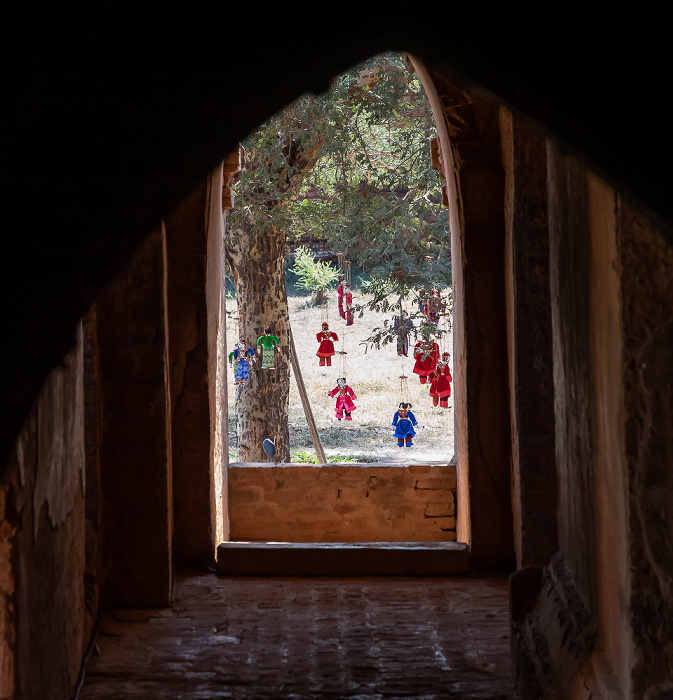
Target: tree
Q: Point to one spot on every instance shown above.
(373, 193)
(313, 275)
(276, 159)
(353, 167)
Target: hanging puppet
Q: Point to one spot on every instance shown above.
(267, 346)
(404, 422)
(423, 303)
(340, 297)
(434, 306)
(243, 356)
(426, 352)
(440, 386)
(349, 305)
(326, 347)
(344, 402)
(402, 327)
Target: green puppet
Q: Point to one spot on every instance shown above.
(267, 345)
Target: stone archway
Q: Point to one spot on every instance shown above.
(474, 194)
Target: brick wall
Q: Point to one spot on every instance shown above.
(342, 503)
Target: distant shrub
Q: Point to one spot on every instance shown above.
(308, 457)
(312, 275)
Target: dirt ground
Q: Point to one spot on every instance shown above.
(374, 377)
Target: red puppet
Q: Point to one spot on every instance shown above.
(426, 352)
(440, 387)
(349, 305)
(326, 347)
(340, 297)
(345, 396)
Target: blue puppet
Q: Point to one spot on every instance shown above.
(404, 422)
(243, 356)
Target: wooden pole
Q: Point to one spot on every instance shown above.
(305, 403)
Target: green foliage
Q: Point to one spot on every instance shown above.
(352, 168)
(383, 335)
(309, 457)
(312, 275)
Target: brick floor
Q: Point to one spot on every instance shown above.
(270, 638)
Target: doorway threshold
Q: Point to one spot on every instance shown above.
(342, 558)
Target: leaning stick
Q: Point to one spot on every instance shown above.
(305, 402)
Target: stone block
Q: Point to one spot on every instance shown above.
(439, 509)
(429, 483)
(351, 493)
(389, 496)
(286, 496)
(445, 523)
(246, 495)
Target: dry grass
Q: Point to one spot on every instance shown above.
(374, 377)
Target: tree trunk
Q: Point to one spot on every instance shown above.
(262, 403)
(256, 260)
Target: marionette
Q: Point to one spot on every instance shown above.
(434, 306)
(426, 352)
(244, 356)
(349, 305)
(267, 346)
(340, 297)
(345, 396)
(404, 422)
(326, 347)
(424, 305)
(427, 306)
(402, 327)
(440, 386)
(421, 299)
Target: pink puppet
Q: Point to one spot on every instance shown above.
(344, 402)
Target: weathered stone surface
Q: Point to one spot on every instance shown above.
(7, 627)
(570, 273)
(43, 618)
(135, 442)
(188, 351)
(647, 287)
(94, 571)
(553, 634)
(611, 663)
(342, 503)
(534, 496)
(602, 618)
(310, 638)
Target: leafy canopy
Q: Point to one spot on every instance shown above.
(352, 168)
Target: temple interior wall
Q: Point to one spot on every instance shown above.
(574, 354)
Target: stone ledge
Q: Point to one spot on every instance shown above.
(364, 465)
(342, 559)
